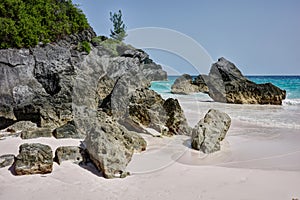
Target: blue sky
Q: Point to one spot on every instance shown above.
(260, 37)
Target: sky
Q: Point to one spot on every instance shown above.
(259, 37)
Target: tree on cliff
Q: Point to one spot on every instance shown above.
(24, 23)
(118, 32)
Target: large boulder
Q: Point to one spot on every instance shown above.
(227, 84)
(208, 133)
(33, 158)
(111, 146)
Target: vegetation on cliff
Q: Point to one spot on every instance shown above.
(25, 23)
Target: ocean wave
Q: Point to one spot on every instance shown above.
(291, 102)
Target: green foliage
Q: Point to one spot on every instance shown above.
(84, 46)
(118, 32)
(24, 23)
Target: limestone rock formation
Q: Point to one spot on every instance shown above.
(111, 146)
(6, 160)
(227, 84)
(150, 110)
(208, 133)
(33, 158)
(185, 84)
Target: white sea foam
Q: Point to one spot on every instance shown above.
(291, 102)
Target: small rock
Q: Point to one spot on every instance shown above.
(22, 126)
(72, 153)
(67, 131)
(6, 160)
(36, 133)
(34, 158)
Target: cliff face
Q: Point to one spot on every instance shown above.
(43, 84)
(76, 94)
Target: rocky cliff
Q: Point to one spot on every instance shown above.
(64, 90)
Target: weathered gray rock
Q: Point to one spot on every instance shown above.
(22, 126)
(151, 70)
(68, 130)
(208, 133)
(69, 153)
(111, 146)
(6, 160)
(36, 133)
(150, 110)
(33, 158)
(227, 84)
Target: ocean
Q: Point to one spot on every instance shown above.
(285, 116)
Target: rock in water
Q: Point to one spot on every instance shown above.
(34, 158)
(208, 133)
(6, 160)
(183, 85)
(227, 84)
(186, 85)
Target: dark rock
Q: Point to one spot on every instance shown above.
(200, 81)
(67, 131)
(227, 84)
(6, 160)
(69, 153)
(34, 159)
(176, 121)
(36, 133)
(208, 133)
(146, 109)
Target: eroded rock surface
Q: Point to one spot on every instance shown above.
(33, 158)
(208, 133)
(227, 84)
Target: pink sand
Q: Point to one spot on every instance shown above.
(249, 167)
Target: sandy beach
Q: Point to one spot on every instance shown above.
(255, 162)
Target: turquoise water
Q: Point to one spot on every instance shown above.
(289, 83)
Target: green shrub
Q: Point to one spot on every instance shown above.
(84, 46)
(24, 23)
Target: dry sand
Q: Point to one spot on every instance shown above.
(251, 165)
